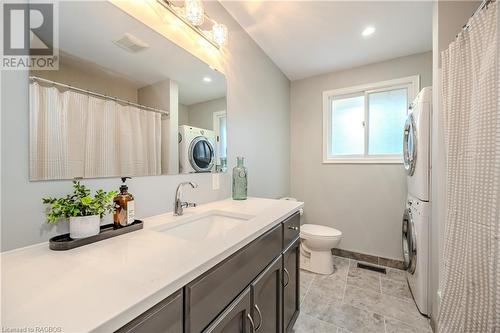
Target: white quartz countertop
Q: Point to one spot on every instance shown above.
(102, 286)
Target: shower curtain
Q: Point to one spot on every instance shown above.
(470, 283)
(77, 135)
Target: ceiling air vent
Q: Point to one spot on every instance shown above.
(131, 43)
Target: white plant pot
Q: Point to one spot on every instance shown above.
(84, 226)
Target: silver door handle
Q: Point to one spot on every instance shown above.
(260, 317)
(251, 322)
(287, 277)
(293, 228)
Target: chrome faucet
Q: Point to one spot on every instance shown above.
(178, 204)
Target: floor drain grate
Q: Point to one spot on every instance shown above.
(372, 268)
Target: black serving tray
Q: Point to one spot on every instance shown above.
(64, 242)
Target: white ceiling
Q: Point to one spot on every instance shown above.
(307, 38)
(85, 32)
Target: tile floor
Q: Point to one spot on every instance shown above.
(357, 300)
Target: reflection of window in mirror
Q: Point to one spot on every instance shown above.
(220, 121)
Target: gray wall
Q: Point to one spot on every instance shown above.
(448, 19)
(258, 101)
(364, 201)
(183, 114)
(201, 114)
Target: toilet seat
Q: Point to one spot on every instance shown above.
(311, 231)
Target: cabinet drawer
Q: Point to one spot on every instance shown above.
(164, 317)
(209, 294)
(291, 229)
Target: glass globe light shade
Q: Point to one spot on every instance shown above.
(219, 33)
(194, 12)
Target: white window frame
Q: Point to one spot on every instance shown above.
(216, 126)
(412, 83)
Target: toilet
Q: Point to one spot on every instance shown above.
(317, 242)
(316, 246)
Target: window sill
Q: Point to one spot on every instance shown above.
(363, 161)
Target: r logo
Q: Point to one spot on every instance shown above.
(28, 29)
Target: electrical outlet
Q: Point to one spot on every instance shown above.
(215, 181)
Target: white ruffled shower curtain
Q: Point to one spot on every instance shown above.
(471, 107)
(77, 135)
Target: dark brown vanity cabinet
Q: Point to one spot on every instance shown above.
(255, 290)
(236, 318)
(258, 308)
(164, 317)
(291, 285)
(208, 295)
(267, 298)
(291, 230)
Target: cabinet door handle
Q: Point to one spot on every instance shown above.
(293, 228)
(287, 277)
(260, 317)
(252, 325)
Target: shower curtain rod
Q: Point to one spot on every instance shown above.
(88, 92)
(483, 5)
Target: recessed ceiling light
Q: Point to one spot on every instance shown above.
(207, 79)
(368, 31)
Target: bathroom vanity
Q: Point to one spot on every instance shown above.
(226, 266)
(246, 292)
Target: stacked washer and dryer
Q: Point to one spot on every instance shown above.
(416, 218)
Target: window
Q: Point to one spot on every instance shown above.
(364, 124)
(220, 121)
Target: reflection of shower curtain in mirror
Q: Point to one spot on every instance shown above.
(76, 135)
(470, 281)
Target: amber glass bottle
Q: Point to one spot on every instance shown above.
(124, 207)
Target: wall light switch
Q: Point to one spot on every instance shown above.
(215, 181)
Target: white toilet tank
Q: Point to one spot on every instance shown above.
(301, 211)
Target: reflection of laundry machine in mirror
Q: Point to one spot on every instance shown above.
(196, 149)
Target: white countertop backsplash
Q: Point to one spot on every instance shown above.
(102, 286)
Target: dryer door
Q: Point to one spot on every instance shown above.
(410, 145)
(409, 242)
(201, 154)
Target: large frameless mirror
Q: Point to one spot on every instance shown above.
(125, 101)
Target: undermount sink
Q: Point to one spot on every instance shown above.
(206, 225)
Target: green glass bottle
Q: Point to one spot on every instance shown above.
(240, 180)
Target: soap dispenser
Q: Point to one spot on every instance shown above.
(124, 206)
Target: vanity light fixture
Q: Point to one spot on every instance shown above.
(207, 79)
(193, 14)
(368, 31)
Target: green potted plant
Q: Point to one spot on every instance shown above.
(83, 211)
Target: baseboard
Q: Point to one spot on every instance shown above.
(369, 258)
